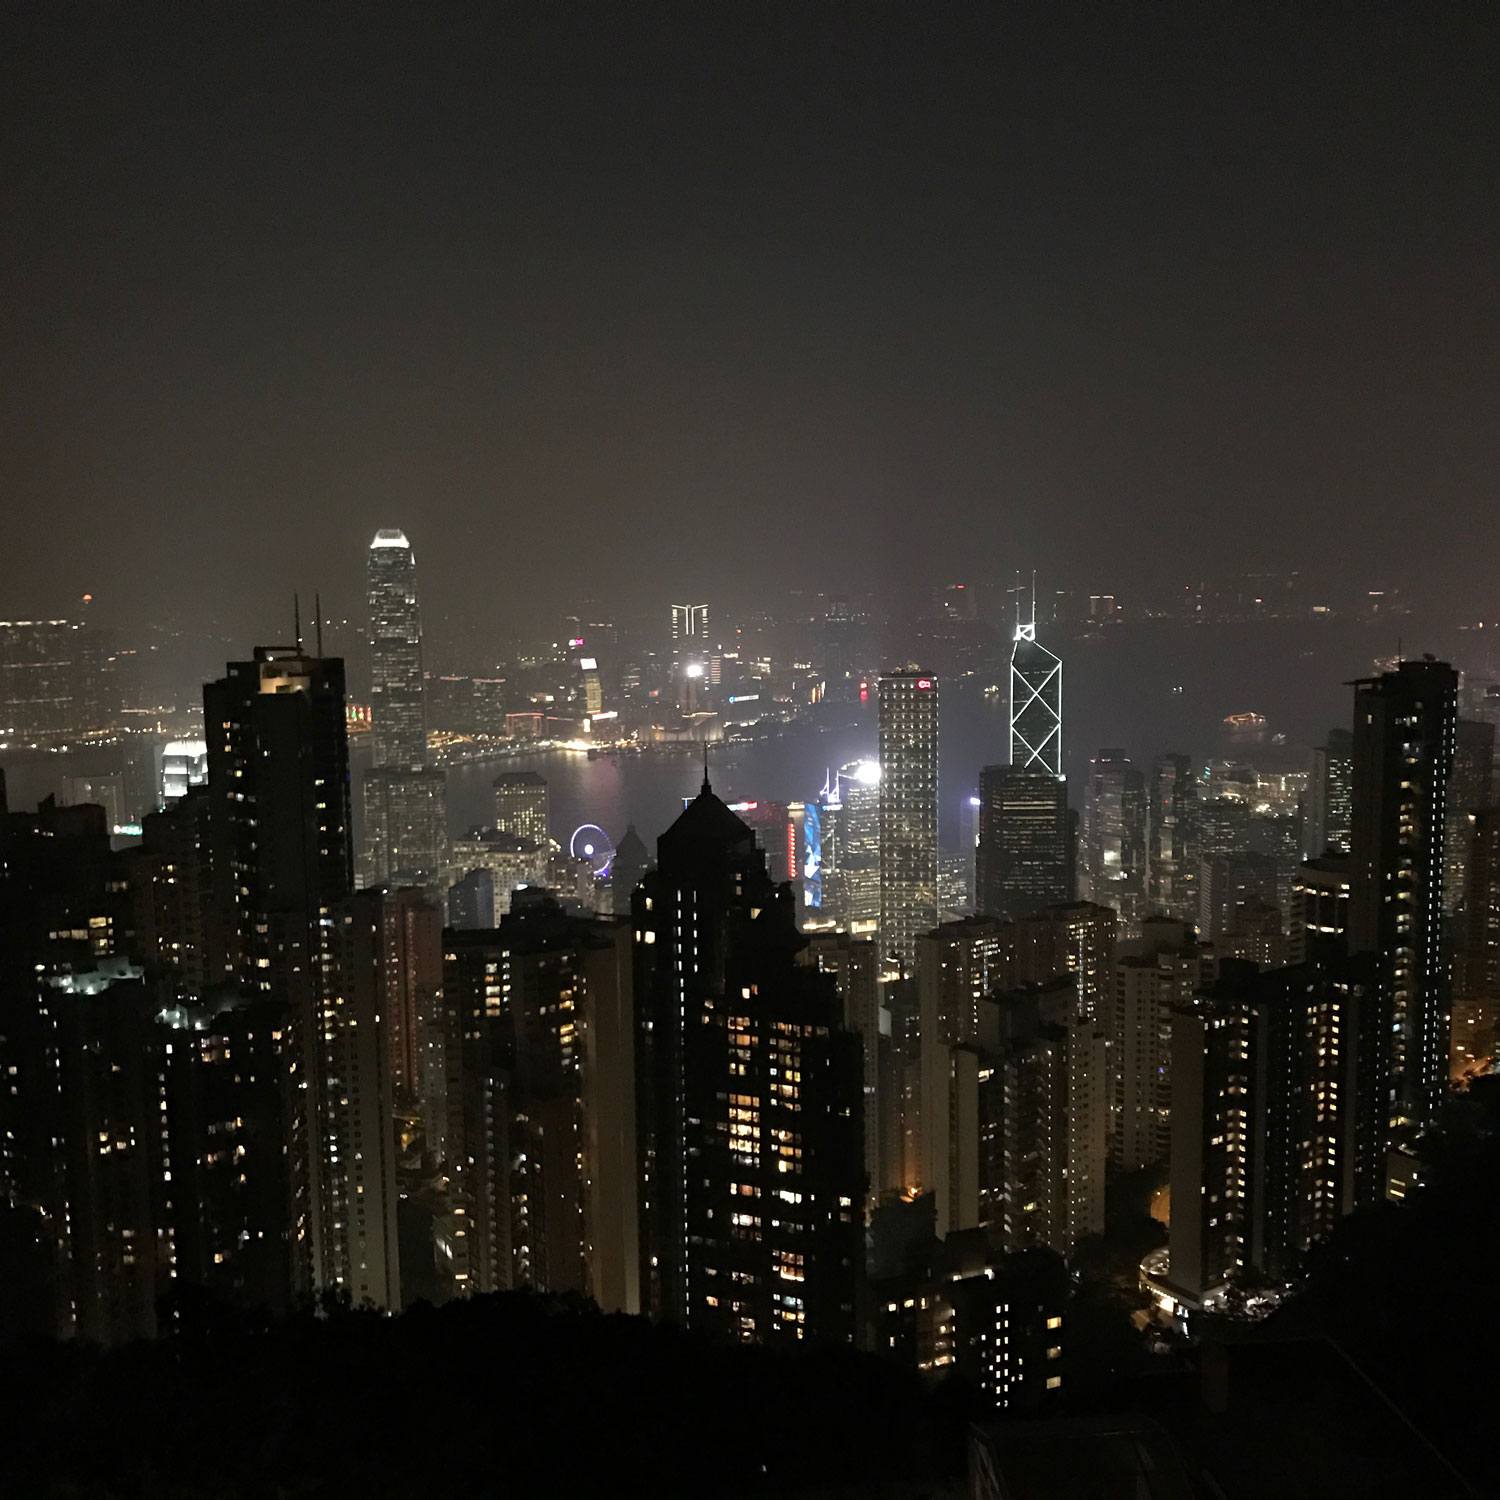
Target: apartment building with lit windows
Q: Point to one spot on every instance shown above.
(750, 1087)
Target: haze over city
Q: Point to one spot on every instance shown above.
(721, 299)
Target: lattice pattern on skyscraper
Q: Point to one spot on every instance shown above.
(1035, 704)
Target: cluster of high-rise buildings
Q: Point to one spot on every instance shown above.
(780, 1082)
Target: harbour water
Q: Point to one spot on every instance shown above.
(1147, 689)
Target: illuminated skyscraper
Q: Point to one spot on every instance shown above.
(1328, 812)
(1024, 858)
(400, 722)
(690, 654)
(404, 801)
(690, 625)
(1174, 852)
(1116, 835)
(1035, 703)
(849, 833)
(908, 812)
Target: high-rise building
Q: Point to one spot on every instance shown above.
(848, 846)
(1024, 858)
(471, 901)
(1329, 809)
(750, 1093)
(1035, 703)
(1227, 881)
(977, 982)
(60, 915)
(404, 801)
(840, 653)
(411, 940)
(278, 781)
(995, 1319)
(398, 713)
(691, 654)
(1115, 835)
(231, 1097)
(690, 623)
(357, 1174)
(1223, 826)
(1278, 837)
(109, 1151)
(1320, 913)
(49, 682)
(512, 863)
(1476, 1005)
(1158, 972)
(908, 812)
(543, 1123)
(1405, 726)
(1275, 1130)
(184, 764)
(1470, 788)
(1173, 866)
(178, 916)
(521, 806)
(854, 964)
(405, 825)
(1044, 1095)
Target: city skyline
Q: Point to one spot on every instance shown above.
(677, 969)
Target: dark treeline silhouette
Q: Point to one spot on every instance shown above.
(516, 1394)
(1412, 1291)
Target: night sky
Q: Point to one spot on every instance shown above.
(622, 302)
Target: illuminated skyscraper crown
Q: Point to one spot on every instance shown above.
(1035, 701)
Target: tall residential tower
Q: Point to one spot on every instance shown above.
(1405, 727)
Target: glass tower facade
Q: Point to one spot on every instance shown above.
(397, 710)
(908, 812)
(1035, 704)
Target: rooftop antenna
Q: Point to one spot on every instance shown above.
(1033, 596)
(297, 621)
(318, 621)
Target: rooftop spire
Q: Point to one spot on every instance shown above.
(706, 787)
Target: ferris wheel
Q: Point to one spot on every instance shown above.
(591, 843)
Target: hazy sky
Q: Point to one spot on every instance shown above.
(625, 301)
